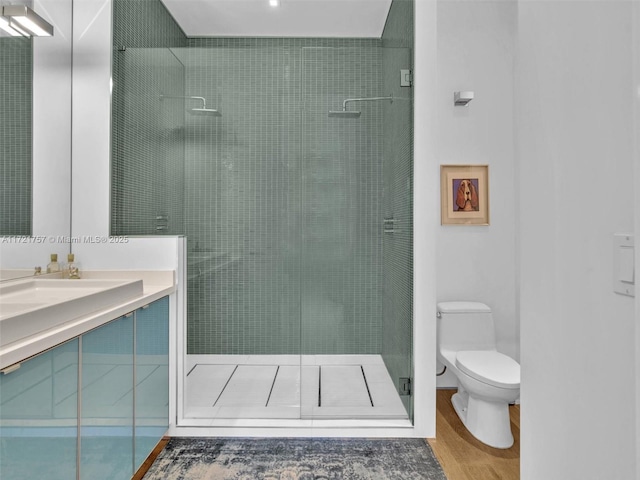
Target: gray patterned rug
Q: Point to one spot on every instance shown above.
(295, 459)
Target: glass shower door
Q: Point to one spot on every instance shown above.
(356, 290)
(397, 213)
(243, 224)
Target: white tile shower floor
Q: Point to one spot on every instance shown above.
(290, 386)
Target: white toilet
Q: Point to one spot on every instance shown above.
(488, 381)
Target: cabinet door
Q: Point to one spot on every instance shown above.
(152, 377)
(106, 422)
(38, 416)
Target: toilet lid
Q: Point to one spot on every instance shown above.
(490, 367)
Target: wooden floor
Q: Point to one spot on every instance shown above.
(144, 468)
(462, 456)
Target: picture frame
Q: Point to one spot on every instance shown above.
(464, 191)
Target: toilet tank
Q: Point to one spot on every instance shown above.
(465, 326)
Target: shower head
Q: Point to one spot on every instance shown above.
(344, 113)
(201, 111)
(205, 112)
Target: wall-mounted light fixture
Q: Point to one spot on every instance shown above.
(274, 3)
(4, 25)
(462, 99)
(19, 20)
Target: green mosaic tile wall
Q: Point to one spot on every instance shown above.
(147, 159)
(283, 206)
(285, 198)
(342, 184)
(397, 202)
(16, 73)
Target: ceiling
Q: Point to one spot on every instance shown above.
(293, 18)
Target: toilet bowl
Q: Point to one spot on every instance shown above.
(488, 381)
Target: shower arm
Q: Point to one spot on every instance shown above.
(204, 102)
(370, 99)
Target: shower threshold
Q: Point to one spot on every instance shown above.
(290, 387)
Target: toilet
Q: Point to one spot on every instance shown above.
(488, 381)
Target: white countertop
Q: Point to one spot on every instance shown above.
(156, 284)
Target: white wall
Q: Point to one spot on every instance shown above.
(476, 49)
(425, 215)
(575, 175)
(52, 123)
(636, 129)
(91, 117)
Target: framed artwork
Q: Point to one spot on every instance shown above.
(464, 191)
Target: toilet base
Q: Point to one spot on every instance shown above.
(488, 421)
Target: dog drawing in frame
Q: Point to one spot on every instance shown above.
(467, 196)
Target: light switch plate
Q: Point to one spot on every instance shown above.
(624, 264)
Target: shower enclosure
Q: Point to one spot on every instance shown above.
(299, 293)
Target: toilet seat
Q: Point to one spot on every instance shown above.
(490, 367)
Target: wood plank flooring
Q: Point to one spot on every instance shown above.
(146, 465)
(462, 456)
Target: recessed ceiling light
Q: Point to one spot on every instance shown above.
(274, 3)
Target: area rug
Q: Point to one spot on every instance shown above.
(295, 459)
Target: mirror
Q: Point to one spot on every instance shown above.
(35, 134)
(15, 135)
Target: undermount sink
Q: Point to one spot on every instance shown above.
(31, 306)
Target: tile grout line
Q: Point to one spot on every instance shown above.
(225, 386)
(366, 384)
(272, 385)
(319, 385)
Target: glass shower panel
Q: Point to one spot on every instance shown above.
(147, 156)
(289, 259)
(342, 246)
(298, 224)
(243, 224)
(397, 212)
(342, 224)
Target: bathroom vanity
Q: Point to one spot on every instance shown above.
(86, 396)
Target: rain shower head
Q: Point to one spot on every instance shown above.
(205, 112)
(344, 113)
(200, 111)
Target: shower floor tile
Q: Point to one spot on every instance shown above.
(343, 386)
(248, 386)
(290, 386)
(286, 387)
(206, 382)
